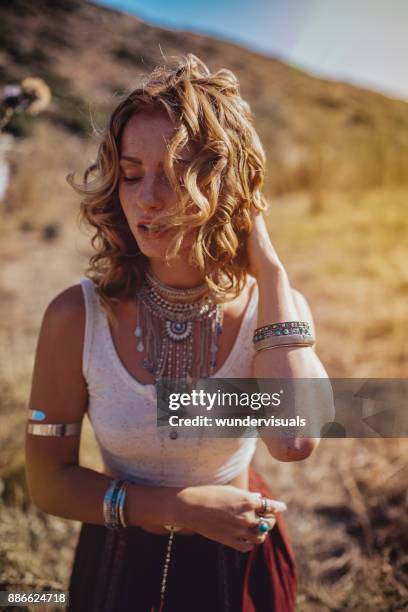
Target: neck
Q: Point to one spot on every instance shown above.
(179, 274)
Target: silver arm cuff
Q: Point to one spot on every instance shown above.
(58, 430)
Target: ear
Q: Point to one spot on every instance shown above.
(304, 312)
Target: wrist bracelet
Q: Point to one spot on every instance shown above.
(107, 504)
(114, 506)
(290, 340)
(114, 503)
(282, 329)
(121, 502)
(274, 346)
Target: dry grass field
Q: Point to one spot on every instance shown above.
(338, 187)
(347, 504)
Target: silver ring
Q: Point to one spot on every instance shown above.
(266, 506)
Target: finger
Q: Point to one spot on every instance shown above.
(255, 540)
(269, 505)
(251, 538)
(259, 538)
(254, 212)
(271, 524)
(272, 505)
(243, 544)
(254, 526)
(254, 536)
(270, 516)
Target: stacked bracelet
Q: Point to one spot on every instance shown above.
(114, 505)
(281, 329)
(287, 333)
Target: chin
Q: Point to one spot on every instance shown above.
(152, 251)
(156, 246)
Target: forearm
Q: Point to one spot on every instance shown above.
(76, 493)
(276, 304)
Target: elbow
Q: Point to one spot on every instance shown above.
(295, 449)
(40, 495)
(32, 491)
(42, 507)
(38, 500)
(45, 504)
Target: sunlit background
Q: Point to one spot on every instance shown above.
(326, 81)
(362, 42)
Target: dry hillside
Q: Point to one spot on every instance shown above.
(317, 133)
(337, 173)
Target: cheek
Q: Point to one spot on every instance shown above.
(126, 200)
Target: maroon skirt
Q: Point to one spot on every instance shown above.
(122, 571)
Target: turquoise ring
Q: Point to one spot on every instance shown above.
(263, 526)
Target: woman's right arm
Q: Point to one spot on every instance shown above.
(58, 485)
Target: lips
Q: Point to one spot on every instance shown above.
(150, 227)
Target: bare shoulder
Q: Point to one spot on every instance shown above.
(61, 337)
(65, 315)
(67, 306)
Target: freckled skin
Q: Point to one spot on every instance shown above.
(144, 191)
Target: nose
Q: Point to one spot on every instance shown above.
(150, 194)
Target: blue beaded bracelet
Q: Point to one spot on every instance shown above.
(113, 504)
(281, 329)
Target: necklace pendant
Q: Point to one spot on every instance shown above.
(138, 331)
(140, 346)
(178, 330)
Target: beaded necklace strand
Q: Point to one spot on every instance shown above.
(180, 341)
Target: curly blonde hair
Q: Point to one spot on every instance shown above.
(221, 185)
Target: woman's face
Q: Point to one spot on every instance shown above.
(144, 190)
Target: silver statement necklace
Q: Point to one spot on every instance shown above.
(180, 339)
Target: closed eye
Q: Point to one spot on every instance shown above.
(134, 179)
(131, 179)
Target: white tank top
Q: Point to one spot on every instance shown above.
(123, 412)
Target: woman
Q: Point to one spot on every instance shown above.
(175, 200)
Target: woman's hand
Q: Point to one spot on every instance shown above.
(227, 514)
(261, 252)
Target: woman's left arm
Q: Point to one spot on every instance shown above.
(278, 303)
